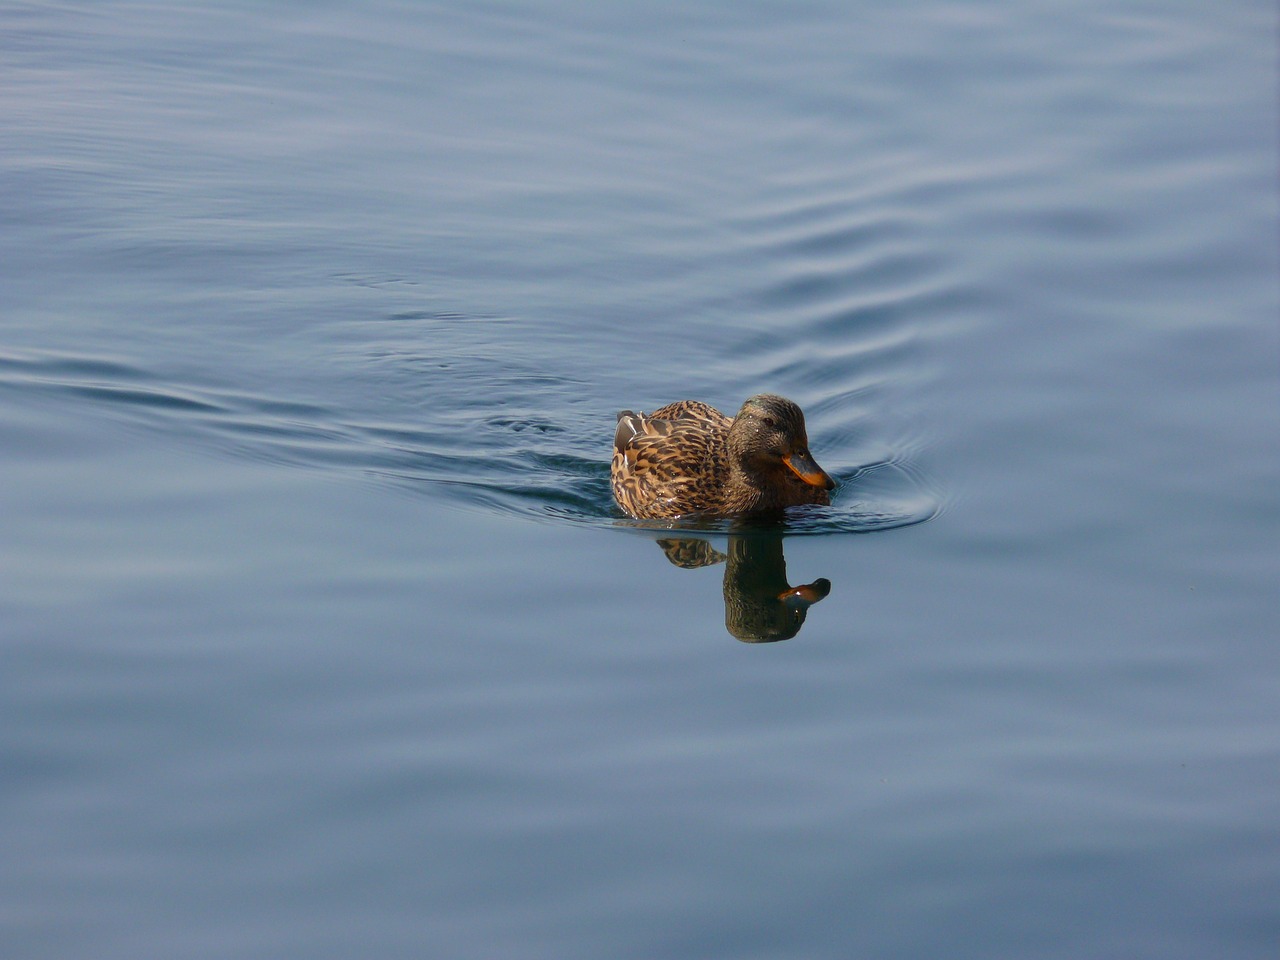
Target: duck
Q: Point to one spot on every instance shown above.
(688, 459)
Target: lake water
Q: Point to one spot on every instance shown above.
(321, 637)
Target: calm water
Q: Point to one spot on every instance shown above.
(321, 637)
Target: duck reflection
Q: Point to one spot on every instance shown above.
(760, 606)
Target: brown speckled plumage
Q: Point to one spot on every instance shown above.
(689, 459)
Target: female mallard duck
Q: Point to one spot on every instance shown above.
(689, 458)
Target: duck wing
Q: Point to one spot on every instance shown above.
(671, 462)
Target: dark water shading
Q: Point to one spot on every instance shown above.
(321, 637)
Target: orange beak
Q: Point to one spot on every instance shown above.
(802, 465)
(807, 593)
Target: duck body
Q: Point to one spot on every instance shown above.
(689, 459)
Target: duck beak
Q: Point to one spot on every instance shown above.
(806, 594)
(802, 465)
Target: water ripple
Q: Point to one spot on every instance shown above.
(515, 414)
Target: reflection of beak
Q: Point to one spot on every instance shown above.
(802, 465)
(806, 593)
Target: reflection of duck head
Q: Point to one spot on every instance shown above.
(759, 605)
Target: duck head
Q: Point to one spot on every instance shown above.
(768, 441)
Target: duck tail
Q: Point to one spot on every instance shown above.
(628, 428)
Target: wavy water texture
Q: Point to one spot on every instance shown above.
(480, 432)
(516, 290)
(460, 309)
(835, 294)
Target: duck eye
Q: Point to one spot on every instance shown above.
(771, 423)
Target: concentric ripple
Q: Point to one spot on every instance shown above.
(515, 449)
(837, 291)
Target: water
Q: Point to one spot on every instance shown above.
(321, 634)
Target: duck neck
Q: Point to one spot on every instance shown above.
(745, 483)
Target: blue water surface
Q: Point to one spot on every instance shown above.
(323, 638)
